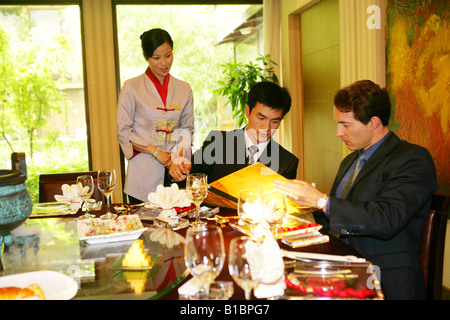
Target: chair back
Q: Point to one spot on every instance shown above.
(433, 243)
(50, 185)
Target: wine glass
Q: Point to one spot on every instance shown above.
(275, 210)
(243, 263)
(197, 190)
(204, 254)
(251, 208)
(86, 184)
(106, 180)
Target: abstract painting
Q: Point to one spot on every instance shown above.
(418, 76)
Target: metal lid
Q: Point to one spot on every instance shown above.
(11, 177)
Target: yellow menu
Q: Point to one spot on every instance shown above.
(225, 191)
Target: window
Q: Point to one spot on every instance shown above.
(199, 50)
(42, 109)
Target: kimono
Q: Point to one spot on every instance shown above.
(151, 113)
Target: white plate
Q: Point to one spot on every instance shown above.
(52, 209)
(56, 286)
(114, 237)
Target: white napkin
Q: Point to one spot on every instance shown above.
(72, 193)
(256, 211)
(168, 198)
(268, 257)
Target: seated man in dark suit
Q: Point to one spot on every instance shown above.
(381, 209)
(224, 152)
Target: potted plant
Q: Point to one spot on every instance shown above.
(239, 78)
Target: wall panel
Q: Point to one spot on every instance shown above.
(101, 87)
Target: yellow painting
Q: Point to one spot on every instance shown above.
(418, 76)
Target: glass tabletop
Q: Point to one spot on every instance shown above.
(53, 244)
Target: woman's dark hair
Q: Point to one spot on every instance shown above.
(271, 95)
(152, 39)
(366, 100)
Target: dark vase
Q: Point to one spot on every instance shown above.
(15, 202)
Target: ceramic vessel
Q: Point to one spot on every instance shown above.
(15, 201)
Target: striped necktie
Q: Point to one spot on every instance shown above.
(360, 162)
(252, 151)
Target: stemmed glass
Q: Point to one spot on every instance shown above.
(275, 210)
(106, 180)
(251, 208)
(243, 263)
(204, 254)
(86, 184)
(197, 190)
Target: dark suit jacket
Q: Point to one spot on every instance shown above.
(385, 211)
(223, 152)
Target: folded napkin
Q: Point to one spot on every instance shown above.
(266, 259)
(256, 212)
(168, 198)
(166, 237)
(72, 194)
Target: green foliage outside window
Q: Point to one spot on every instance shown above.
(239, 78)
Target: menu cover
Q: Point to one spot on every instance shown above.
(225, 191)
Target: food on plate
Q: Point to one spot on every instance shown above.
(33, 291)
(98, 227)
(136, 257)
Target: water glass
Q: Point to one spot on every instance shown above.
(86, 184)
(106, 180)
(275, 210)
(204, 254)
(251, 208)
(243, 263)
(197, 190)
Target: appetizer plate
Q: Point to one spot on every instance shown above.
(52, 208)
(122, 228)
(114, 237)
(56, 286)
(292, 226)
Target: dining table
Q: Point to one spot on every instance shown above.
(50, 242)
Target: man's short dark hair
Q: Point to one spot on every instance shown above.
(271, 95)
(366, 99)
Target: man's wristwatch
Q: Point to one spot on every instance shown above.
(322, 202)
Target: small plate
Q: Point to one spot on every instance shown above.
(291, 226)
(178, 223)
(154, 258)
(56, 286)
(114, 237)
(52, 208)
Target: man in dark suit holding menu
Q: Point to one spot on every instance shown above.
(381, 194)
(224, 152)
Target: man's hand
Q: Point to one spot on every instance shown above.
(298, 191)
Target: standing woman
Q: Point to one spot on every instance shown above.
(155, 119)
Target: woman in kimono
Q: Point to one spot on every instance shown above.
(155, 119)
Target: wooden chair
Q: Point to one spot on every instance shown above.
(50, 185)
(433, 243)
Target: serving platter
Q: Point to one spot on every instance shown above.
(56, 286)
(292, 225)
(122, 228)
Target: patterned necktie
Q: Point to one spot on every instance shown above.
(252, 150)
(360, 162)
